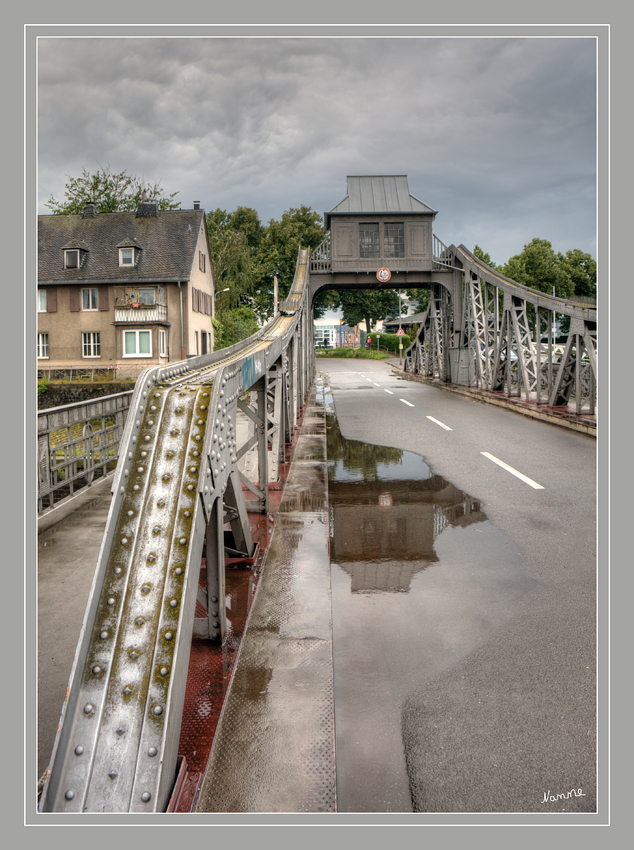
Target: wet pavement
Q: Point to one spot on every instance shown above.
(274, 747)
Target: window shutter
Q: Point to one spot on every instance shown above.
(51, 300)
(103, 299)
(193, 299)
(74, 299)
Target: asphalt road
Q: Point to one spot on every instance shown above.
(499, 715)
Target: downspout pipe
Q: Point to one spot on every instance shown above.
(182, 357)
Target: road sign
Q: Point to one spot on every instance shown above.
(383, 275)
(400, 332)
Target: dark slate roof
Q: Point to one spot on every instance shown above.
(168, 242)
(378, 194)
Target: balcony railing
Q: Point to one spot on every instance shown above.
(141, 313)
(320, 257)
(140, 304)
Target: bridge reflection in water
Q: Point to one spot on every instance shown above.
(420, 577)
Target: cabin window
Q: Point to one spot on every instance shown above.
(394, 239)
(42, 345)
(71, 259)
(90, 299)
(91, 344)
(137, 344)
(126, 256)
(368, 241)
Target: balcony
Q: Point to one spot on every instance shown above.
(140, 304)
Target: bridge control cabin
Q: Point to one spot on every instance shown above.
(378, 224)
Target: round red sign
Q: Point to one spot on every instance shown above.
(383, 275)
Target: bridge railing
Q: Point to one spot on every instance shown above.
(78, 443)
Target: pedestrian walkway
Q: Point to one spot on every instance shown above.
(274, 749)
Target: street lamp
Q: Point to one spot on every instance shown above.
(218, 291)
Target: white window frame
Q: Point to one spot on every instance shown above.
(147, 303)
(92, 341)
(41, 301)
(42, 346)
(122, 253)
(136, 352)
(68, 251)
(94, 295)
(162, 342)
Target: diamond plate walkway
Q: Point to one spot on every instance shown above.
(274, 750)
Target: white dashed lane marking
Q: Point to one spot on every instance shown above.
(442, 425)
(406, 402)
(510, 469)
(390, 392)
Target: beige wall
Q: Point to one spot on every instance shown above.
(199, 322)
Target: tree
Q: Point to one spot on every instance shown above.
(486, 258)
(367, 305)
(232, 260)
(582, 270)
(540, 268)
(277, 254)
(231, 326)
(109, 192)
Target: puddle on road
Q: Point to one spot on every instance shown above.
(419, 578)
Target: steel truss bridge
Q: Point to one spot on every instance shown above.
(177, 484)
(476, 333)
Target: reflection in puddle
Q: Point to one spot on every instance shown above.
(419, 579)
(386, 509)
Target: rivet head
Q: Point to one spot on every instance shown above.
(134, 439)
(157, 529)
(203, 407)
(146, 588)
(201, 422)
(79, 750)
(169, 454)
(151, 558)
(193, 469)
(183, 541)
(147, 438)
(96, 669)
(153, 408)
(146, 796)
(143, 454)
(113, 774)
(136, 487)
(173, 603)
(152, 752)
(205, 395)
(191, 487)
(130, 513)
(127, 690)
(111, 600)
(69, 794)
(103, 635)
(88, 708)
(134, 655)
(164, 671)
(196, 454)
(178, 571)
(140, 469)
(157, 395)
(168, 635)
(174, 432)
(197, 437)
(166, 477)
(117, 571)
(139, 621)
(214, 598)
(187, 513)
(158, 709)
(161, 503)
(150, 422)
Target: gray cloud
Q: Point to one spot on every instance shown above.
(498, 134)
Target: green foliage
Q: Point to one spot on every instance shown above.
(231, 326)
(486, 258)
(277, 254)
(367, 305)
(109, 192)
(582, 270)
(361, 353)
(540, 268)
(412, 334)
(420, 297)
(42, 385)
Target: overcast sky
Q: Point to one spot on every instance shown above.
(497, 134)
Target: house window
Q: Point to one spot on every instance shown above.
(137, 343)
(203, 339)
(147, 297)
(196, 338)
(126, 256)
(368, 240)
(90, 299)
(201, 261)
(71, 259)
(42, 345)
(162, 343)
(394, 239)
(91, 344)
(41, 301)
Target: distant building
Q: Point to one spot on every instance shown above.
(329, 333)
(125, 289)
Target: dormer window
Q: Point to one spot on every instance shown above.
(71, 259)
(126, 256)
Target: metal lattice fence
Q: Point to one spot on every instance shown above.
(77, 444)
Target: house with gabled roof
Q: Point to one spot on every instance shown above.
(124, 289)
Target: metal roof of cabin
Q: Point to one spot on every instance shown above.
(167, 241)
(379, 194)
